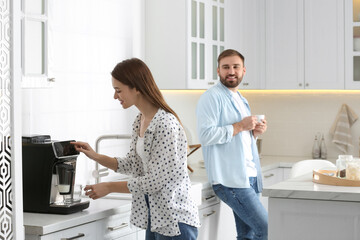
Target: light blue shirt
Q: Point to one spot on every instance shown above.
(223, 153)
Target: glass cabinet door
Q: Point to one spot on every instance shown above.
(34, 44)
(356, 40)
(206, 42)
(352, 44)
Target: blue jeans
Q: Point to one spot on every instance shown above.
(251, 218)
(187, 232)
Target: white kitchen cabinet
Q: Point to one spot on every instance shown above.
(271, 177)
(86, 231)
(352, 44)
(34, 44)
(304, 44)
(299, 219)
(209, 212)
(183, 40)
(116, 227)
(249, 39)
(209, 218)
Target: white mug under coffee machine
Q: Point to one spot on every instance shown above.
(49, 169)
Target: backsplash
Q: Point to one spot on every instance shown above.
(294, 117)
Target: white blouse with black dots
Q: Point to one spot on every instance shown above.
(166, 180)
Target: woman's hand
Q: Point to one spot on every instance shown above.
(97, 190)
(86, 149)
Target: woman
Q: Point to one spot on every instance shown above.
(157, 159)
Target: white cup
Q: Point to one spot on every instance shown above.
(260, 117)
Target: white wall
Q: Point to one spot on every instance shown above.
(86, 40)
(294, 117)
(80, 106)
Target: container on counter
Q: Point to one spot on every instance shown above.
(341, 165)
(356, 43)
(353, 169)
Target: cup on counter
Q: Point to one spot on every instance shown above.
(260, 118)
(77, 192)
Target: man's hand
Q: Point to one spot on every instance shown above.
(260, 128)
(246, 124)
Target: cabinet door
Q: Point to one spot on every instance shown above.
(324, 44)
(305, 44)
(182, 50)
(249, 40)
(272, 177)
(83, 232)
(284, 44)
(115, 227)
(209, 218)
(34, 44)
(352, 47)
(132, 236)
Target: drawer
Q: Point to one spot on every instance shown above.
(209, 218)
(272, 176)
(81, 232)
(208, 198)
(115, 226)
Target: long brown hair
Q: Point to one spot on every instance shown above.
(135, 74)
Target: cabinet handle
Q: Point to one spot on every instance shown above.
(209, 214)
(211, 83)
(307, 84)
(51, 79)
(210, 197)
(270, 175)
(300, 84)
(80, 235)
(245, 84)
(123, 225)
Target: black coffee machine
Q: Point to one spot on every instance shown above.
(49, 175)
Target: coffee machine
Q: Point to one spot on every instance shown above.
(49, 169)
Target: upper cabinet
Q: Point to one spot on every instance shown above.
(183, 40)
(247, 35)
(352, 49)
(304, 44)
(34, 44)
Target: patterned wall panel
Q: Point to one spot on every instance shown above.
(6, 229)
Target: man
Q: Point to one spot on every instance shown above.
(227, 133)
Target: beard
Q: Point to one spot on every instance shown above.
(231, 84)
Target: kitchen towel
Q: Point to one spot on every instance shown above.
(340, 130)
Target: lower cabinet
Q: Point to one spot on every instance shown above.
(209, 218)
(116, 227)
(209, 212)
(84, 232)
(271, 177)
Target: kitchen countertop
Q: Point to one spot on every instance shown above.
(302, 187)
(267, 163)
(41, 223)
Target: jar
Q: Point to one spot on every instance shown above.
(356, 43)
(353, 169)
(341, 164)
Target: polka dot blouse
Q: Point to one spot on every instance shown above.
(166, 180)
